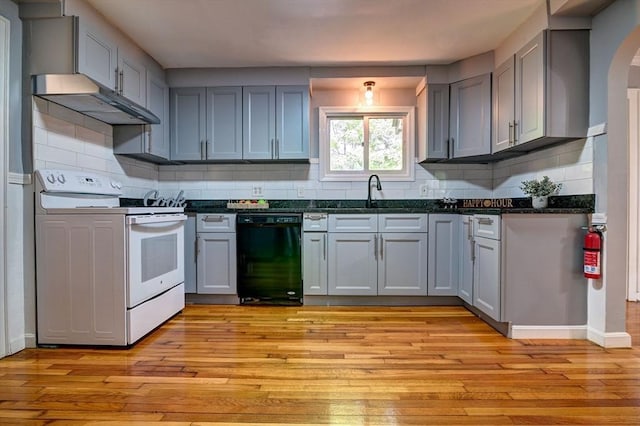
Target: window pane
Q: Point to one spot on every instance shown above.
(385, 144)
(346, 141)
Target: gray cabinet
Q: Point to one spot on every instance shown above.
(437, 121)
(549, 99)
(224, 123)
(101, 59)
(188, 123)
(470, 117)
(377, 254)
(314, 254)
(465, 284)
(275, 122)
(216, 255)
(147, 142)
(486, 266)
(444, 254)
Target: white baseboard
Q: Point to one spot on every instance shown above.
(548, 332)
(609, 340)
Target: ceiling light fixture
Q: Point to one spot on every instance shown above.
(368, 94)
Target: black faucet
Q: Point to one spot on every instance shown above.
(372, 203)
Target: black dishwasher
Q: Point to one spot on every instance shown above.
(269, 258)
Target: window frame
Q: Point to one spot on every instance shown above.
(408, 116)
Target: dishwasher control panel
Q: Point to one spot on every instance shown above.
(276, 219)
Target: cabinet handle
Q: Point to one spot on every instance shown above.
(473, 251)
(453, 153)
(197, 248)
(277, 149)
(381, 247)
(273, 148)
(218, 218)
(324, 246)
(202, 150)
(375, 247)
(116, 81)
(121, 82)
(448, 148)
(315, 216)
(485, 221)
(511, 133)
(515, 132)
(470, 229)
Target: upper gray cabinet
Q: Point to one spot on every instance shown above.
(275, 122)
(105, 62)
(147, 142)
(541, 94)
(470, 117)
(206, 123)
(459, 119)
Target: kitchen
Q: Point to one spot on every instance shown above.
(64, 139)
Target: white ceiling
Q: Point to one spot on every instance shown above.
(257, 33)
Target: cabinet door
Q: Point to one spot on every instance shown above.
(530, 90)
(132, 79)
(188, 123)
(402, 265)
(443, 257)
(217, 263)
(190, 250)
(258, 122)
(465, 287)
(470, 117)
(97, 56)
(314, 263)
(292, 126)
(158, 103)
(224, 123)
(352, 264)
(504, 105)
(438, 121)
(486, 277)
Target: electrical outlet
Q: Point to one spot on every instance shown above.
(257, 191)
(301, 192)
(424, 190)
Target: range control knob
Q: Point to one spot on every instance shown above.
(51, 178)
(62, 179)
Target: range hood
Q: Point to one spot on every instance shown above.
(80, 93)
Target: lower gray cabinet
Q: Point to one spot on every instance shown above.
(381, 254)
(444, 254)
(216, 254)
(314, 254)
(486, 265)
(465, 285)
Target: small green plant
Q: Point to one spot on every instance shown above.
(540, 188)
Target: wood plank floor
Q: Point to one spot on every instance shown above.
(238, 365)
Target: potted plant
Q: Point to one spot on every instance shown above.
(539, 191)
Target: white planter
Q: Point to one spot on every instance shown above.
(539, 202)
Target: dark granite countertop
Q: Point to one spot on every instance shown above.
(566, 204)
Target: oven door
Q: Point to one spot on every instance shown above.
(156, 255)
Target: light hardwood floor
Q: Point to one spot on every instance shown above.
(235, 365)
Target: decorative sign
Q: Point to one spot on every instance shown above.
(153, 199)
(487, 203)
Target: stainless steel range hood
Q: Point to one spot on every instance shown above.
(80, 93)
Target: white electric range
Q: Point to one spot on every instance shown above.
(105, 274)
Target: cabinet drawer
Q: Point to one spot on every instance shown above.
(353, 223)
(314, 222)
(216, 222)
(402, 222)
(487, 226)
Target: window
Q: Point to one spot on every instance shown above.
(354, 143)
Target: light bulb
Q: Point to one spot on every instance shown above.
(368, 95)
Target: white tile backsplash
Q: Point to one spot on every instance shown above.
(68, 140)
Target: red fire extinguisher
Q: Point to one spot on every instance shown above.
(592, 250)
